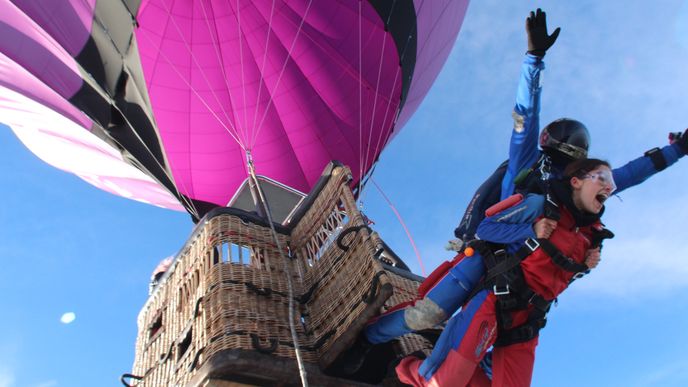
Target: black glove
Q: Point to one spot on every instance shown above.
(538, 40)
(681, 139)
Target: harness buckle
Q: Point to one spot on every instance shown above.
(532, 244)
(578, 275)
(501, 291)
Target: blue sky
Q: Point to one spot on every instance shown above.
(617, 66)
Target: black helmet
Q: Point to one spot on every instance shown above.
(565, 137)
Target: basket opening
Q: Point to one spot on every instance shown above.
(155, 327)
(234, 253)
(184, 345)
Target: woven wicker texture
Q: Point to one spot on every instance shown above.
(228, 289)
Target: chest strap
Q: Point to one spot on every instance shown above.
(498, 263)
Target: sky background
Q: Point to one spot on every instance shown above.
(618, 66)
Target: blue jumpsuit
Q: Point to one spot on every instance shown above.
(446, 289)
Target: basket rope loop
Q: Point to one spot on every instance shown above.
(129, 376)
(349, 230)
(255, 341)
(370, 296)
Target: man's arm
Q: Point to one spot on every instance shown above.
(523, 147)
(514, 224)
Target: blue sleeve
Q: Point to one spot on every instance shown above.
(514, 224)
(523, 147)
(638, 170)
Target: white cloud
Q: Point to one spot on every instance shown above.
(68, 317)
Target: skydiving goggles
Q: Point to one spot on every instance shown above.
(604, 177)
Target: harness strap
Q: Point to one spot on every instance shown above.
(504, 262)
(522, 333)
(508, 283)
(561, 260)
(518, 295)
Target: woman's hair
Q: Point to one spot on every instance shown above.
(582, 167)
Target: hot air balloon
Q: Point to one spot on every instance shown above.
(179, 103)
(167, 102)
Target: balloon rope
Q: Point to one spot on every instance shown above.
(262, 67)
(279, 78)
(366, 153)
(216, 43)
(241, 62)
(234, 135)
(380, 143)
(188, 203)
(202, 100)
(181, 35)
(360, 105)
(403, 224)
(292, 328)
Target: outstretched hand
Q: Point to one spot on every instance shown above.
(538, 39)
(681, 139)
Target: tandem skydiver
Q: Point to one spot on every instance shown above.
(527, 170)
(550, 240)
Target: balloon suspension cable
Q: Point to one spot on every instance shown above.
(403, 224)
(366, 157)
(188, 203)
(182, 198)
(360, 103)
(281, 73)
(268, 215)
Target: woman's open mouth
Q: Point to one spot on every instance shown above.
(602, 197)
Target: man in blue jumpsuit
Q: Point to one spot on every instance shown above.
(447, 288)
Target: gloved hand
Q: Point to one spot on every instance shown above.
(538, 40)
(681, 139)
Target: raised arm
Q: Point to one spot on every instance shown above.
(523, 148)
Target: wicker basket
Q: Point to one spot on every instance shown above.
(226, 296)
